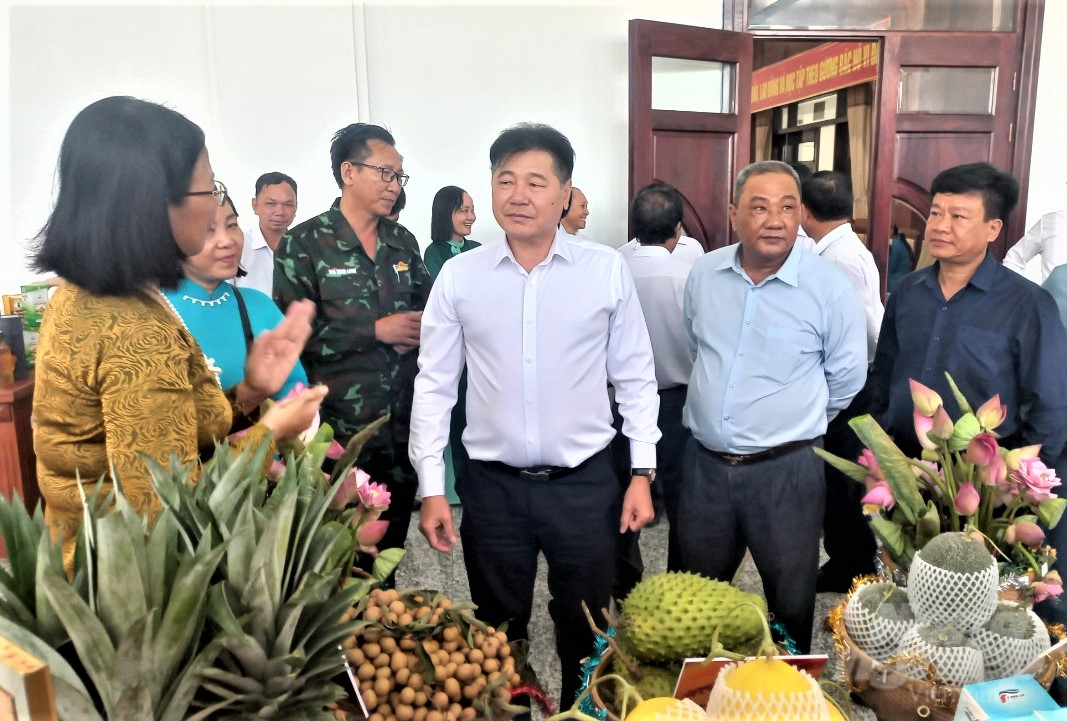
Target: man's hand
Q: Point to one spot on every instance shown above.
(435, 522)
(637, 510)
(400, 330)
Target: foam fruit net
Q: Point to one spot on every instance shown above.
(956, 665)
(727, 703)
(1005, 656)
(878, 636)
(940, 596)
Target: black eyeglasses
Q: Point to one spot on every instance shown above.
(388, 174)
(219, 192)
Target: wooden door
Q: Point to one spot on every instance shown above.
(914, 141)
(697, 152)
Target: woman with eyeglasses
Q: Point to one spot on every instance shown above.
(224, 319)
(451, 218)
(118, 373)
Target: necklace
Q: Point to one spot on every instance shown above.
(207, 303)
(211, 365)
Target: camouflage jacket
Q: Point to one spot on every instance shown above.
(323, 260)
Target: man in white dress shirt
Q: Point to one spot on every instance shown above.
(827, 208)
(275, 206)
(543, 322)
(660, 275)
(1047, 238)
(688, 250)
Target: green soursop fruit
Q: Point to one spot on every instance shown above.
(670, 616)
(655, 682)
(953, 579)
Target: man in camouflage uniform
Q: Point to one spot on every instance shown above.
(367, 279)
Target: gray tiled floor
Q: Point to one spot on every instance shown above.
(425, 568)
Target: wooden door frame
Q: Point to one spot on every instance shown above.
(1029, 17)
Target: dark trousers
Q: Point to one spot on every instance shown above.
(573, 521)
(774, 509)
(669, 452)
(629, 565)
(847, 538)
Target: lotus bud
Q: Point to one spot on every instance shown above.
(926, 400)
(982, 450)
(880, 495)
(869, 461)
(967, 499)
(995, 472)
(1012, 458)
(349, 492)
(942, 426)
(992, 413)
(923, 426)
(1026, 532)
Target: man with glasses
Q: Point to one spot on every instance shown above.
(367, 279)
(275, 207)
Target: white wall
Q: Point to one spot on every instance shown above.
(270, 83)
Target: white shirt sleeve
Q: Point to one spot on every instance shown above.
(441, 361)
(1028, 246)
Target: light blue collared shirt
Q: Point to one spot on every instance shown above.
(775, 361)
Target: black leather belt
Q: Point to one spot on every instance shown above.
(740, 459)
(541, 473)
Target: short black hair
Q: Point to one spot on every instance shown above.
(400, 203)
(350, 143)
(274, 178)
(999, 190)
(534, 136)
(762, 167)
(828, 195)
(123, 163)
(448, 200)
(655, 213)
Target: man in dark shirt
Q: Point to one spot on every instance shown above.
(369, 284)
(991, 329)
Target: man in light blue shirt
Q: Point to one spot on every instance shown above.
(780, 345)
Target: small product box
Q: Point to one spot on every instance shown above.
(34, 300)
(1005, 699)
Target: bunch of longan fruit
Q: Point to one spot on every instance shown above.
(420, 657)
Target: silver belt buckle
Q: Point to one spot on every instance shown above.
(733, 459)
(541, 475)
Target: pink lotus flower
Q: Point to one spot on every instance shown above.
(967, 499)
(1050, 586)
(1037, 478)
(923, 426)
(374, 496)
(369, 534)
(868, 460)
(926, 400)
(995, 472)
(1013, 457)
(349, 492)
(992, 413)
(942, 424)
(1026, 532)
(982, 450)
(880, 495)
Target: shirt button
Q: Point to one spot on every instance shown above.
(944, 307)
(726, 418)
(529, 441)
(741, 354)
(529, 360)
(733, 385)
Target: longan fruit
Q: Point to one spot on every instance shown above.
(420, 713)
(349, 643)
(452, 689)
(431, 646)
(398, 661)
(450, 646)
(371, 650)
(435, 617)
(372, 636)
(383, 672)
(401, 678)
(454, 711)
(491, 647)
(439, 700)
(386, 710)
(450, 633)
(415, 681)
(374, 717)
(405, 619)
(406, 694)
(444, 603)
(373, 613)
(470, 692)
(381, 660)
(450, 669)
(389, 595)
(420, 698)
(397, 607)
(490, 666)
(476, 655)
(494, 676)
(382, 686)
(435, 715)
(505, 650)
(423, 612)
(468, 714)
(439, 673)
(513, 679)
(404, 712)
(370, 698)
(388, 645)
(365, 671)
(457, 658)
(465, 672)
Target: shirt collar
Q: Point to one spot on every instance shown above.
(984, 277)
(561, 246)
(832, 237)
(254, 239)
(651, 251)
(789, 272)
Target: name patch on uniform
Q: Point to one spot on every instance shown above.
(340, 272)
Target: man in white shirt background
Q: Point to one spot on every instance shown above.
(688, 250)
(544, 322)
(660, 275)
(573, 220)
(275, 206)
(1047, 238)
(847, 539)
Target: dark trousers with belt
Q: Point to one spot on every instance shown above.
(772, 507)
(573, 520)
(669, 452)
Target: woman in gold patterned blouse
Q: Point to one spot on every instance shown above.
(118, 374)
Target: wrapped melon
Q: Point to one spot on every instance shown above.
(1012, 638)
(766, 689)
(953, 656)
(877, 616)
(953, 579)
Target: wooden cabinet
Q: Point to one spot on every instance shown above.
(18, 465)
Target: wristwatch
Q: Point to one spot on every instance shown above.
(649, 473)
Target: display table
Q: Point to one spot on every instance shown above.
(18, 465)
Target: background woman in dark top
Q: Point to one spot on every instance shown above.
(451, 218)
